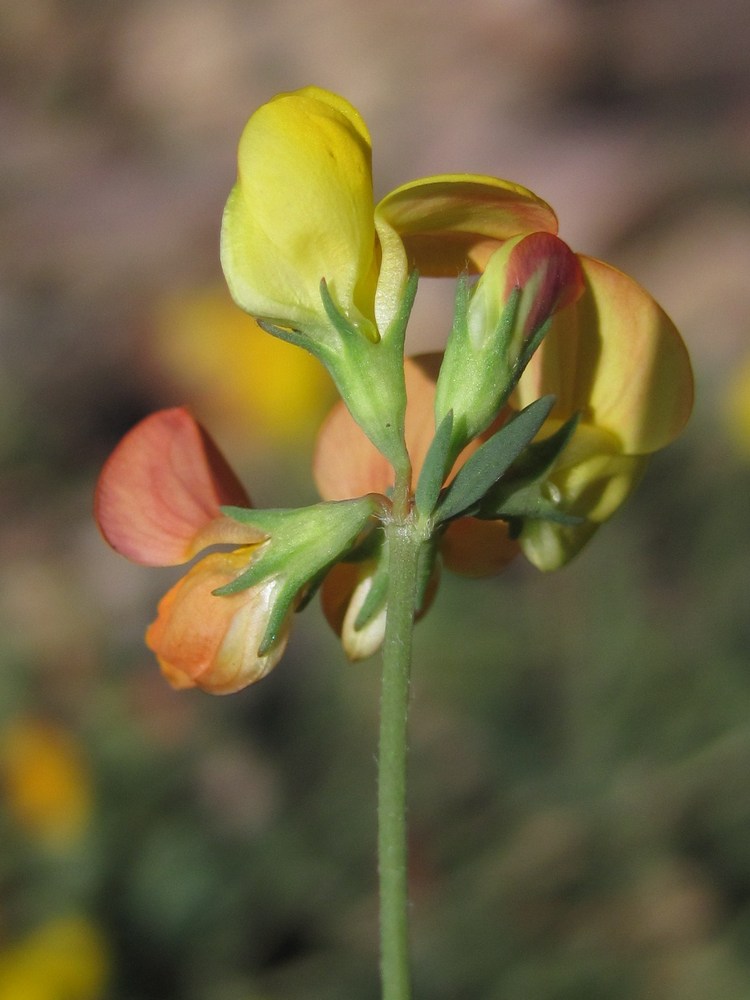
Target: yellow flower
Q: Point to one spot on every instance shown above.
(302, 211)
(47, 784)
(307, 252)
(64, 959)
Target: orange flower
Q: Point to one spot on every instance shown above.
(158, 502)
(165, 494)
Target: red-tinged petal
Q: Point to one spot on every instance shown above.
(548, 275)
(617, 357)
(209, 641)
(476, 548)
(158, 496)
(346, 463)
(454, 222)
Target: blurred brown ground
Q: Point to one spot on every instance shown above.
(119, 123)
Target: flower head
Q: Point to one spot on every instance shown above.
(307, 252)
(603, 348)
(560, 378)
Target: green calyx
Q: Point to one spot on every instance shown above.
(475, 376)
(302, 544)
(505, 479)
(367, 368)
(499, 323)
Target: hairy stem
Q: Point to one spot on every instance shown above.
(404, 544)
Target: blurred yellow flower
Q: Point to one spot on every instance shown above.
(46, 782)
(737, 408)
(64, 959)
(215, 353)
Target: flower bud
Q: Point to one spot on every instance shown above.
(498, 326)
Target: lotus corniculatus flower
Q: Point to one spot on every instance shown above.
(560, 377)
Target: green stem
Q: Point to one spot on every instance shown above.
(403, 547)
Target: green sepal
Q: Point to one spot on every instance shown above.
(378, 592)
(368, 370)
(537, 460)
(525, 492)
(340, 322)
(301, 545)
(290, 335)
(425, 566)
(528, 502)
(492, 460)
(301, 541)
(276, 618)
(435, 467)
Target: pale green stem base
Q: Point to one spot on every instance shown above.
(403, 548)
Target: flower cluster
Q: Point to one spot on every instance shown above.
(561, 376)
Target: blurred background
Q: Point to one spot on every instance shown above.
(580, 768)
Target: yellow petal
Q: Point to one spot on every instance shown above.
(301, 211)
(454, 222)
(591, 479)
(617, 357)
(209, 641)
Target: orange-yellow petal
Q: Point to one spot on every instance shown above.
(158, 496)
(210, 641)
(46, 781)
(477, 548)
(617, 357)
(347, 465)
(453, 222)
(591, 479)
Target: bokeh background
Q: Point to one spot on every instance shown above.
(580, 767)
